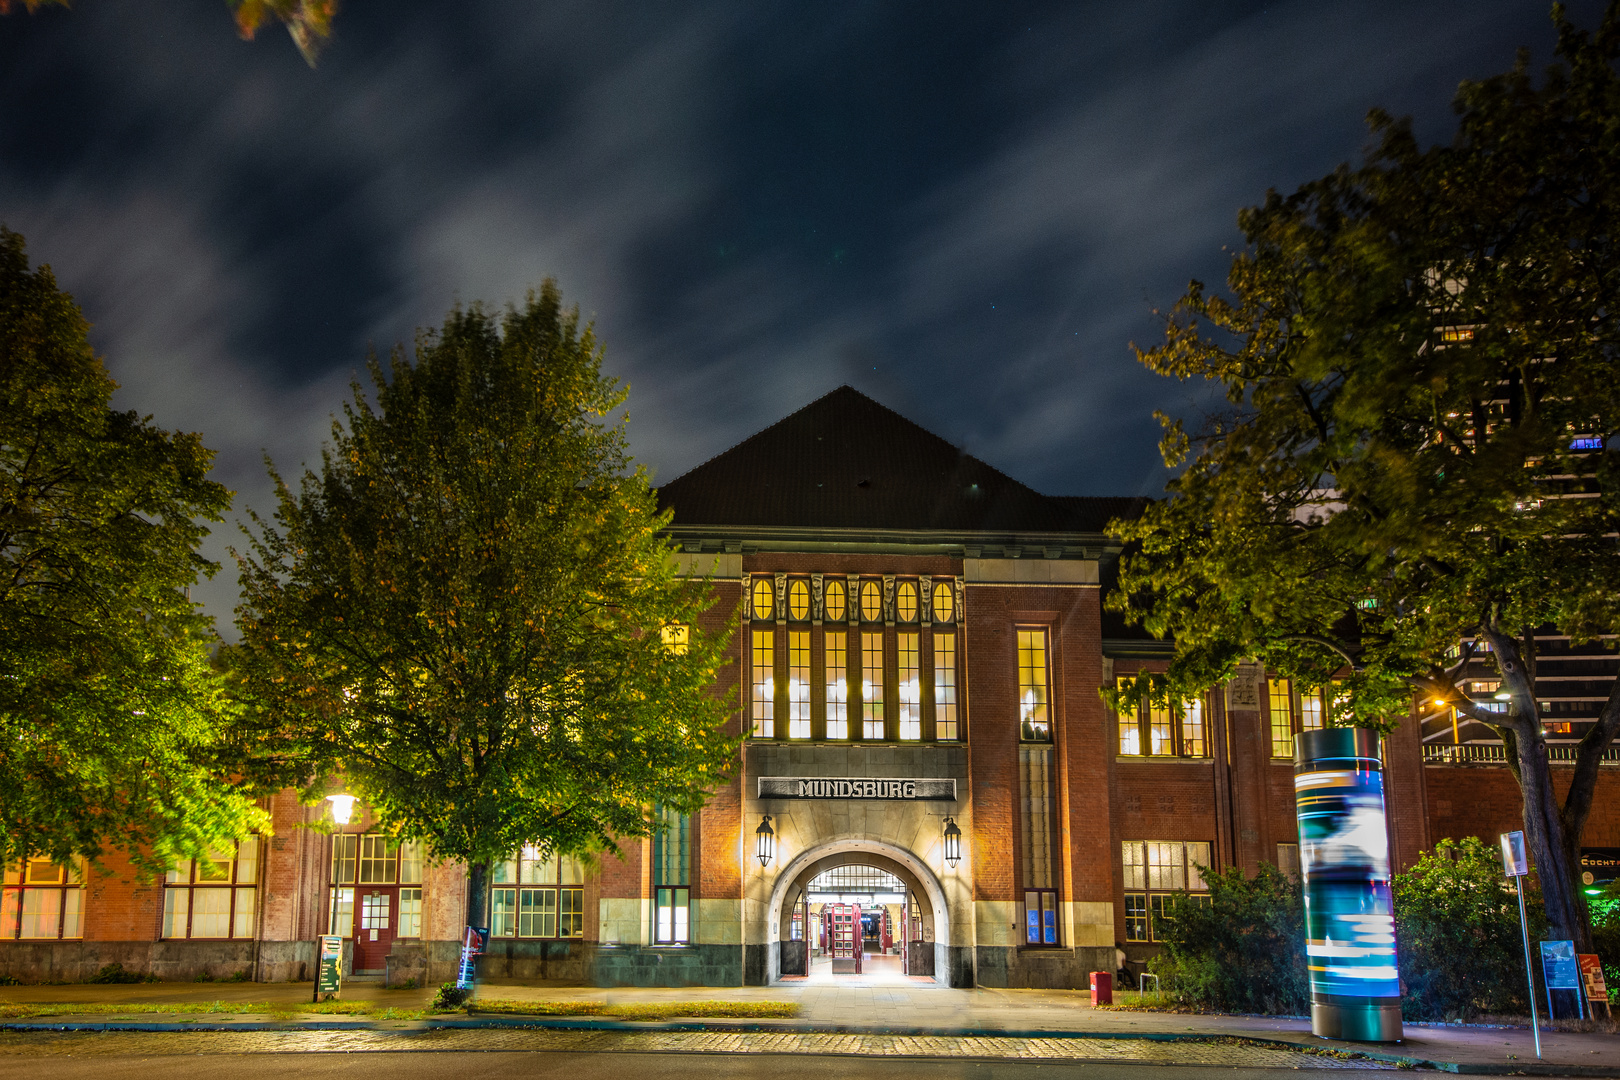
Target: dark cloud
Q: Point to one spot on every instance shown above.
(967, 210)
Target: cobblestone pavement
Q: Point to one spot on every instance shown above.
(147, 1044)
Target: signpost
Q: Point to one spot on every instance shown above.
(1559, 971)
(328, 965)
(1516, 864)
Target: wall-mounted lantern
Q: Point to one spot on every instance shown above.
(765, 842)
(953, 843)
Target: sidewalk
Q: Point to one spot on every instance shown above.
(895, 1008)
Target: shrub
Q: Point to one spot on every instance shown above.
(117, 973)
(1243, 951)
(1606, 932)
(1457, 935)
(450, 997)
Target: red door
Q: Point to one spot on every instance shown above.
(376, 923)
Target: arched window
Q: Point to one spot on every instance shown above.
(764, 601)
(871, 601)
(798, 600)
(836, 600)
(905, 601)
(944, 602)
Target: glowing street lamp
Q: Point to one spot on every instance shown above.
(765, 842)
(342, 807)
(953, 843)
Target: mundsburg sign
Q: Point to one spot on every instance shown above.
(817, 787)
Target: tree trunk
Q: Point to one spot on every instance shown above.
(478, 894)
(1567, 915)
(1551, 850)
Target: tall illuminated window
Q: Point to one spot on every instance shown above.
(1282, 718)
(1034, 725)
(798, 684)
(945, 686)
(1192, 728)
(909, 677)
(672, 847)
(1159, 737)
(872, 686)
(1130, 734)
(1310, 710)
(764, 687)
(837, 684)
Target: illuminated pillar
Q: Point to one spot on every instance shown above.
(1349, 912)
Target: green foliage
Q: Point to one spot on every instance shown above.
(1410, 351)
(462, 612)
(109, 709)
(1241, 952)
(1456, 930)
(450, 997)
(1457, 935)
(1606, 932)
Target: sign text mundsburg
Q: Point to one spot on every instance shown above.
(818, 787)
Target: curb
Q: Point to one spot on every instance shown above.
(564, 1023)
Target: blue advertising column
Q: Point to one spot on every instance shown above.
(1349, 912)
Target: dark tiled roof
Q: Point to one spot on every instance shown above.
(846, 462)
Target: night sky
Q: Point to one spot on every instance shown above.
(965, 210)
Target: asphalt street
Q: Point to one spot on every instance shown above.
(431, 1065)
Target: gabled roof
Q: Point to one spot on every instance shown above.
(846, 462)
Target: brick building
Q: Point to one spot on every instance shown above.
(931, 784)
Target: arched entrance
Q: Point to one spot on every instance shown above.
(795, 877)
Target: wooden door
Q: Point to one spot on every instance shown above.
(376, 924)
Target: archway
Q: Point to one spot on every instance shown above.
(850, 851)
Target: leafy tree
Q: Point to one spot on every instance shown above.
(308, 21)
(110, 713)
(464, 612)
(1243, 950)
(1457, 935)
(1419, 357)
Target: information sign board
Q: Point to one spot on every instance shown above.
(1558, 966)
(1592, 974)
(1515, 863)
(328, 965)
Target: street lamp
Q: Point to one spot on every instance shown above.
(953, 843)
(342, 807)
(765, 842)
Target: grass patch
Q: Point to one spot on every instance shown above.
(654, 1010)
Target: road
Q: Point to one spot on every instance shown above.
(407, 1052)
(542, 1065)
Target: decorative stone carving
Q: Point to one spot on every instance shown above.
(748, 597)
(815, 599)
(925, 608)
(853, 607)
(781, 597)
(888, 599)
(961, 602)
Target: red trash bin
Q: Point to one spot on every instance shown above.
(1102, 988)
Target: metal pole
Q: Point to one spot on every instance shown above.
(1529, 973)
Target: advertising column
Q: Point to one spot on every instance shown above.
(1349, 912)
